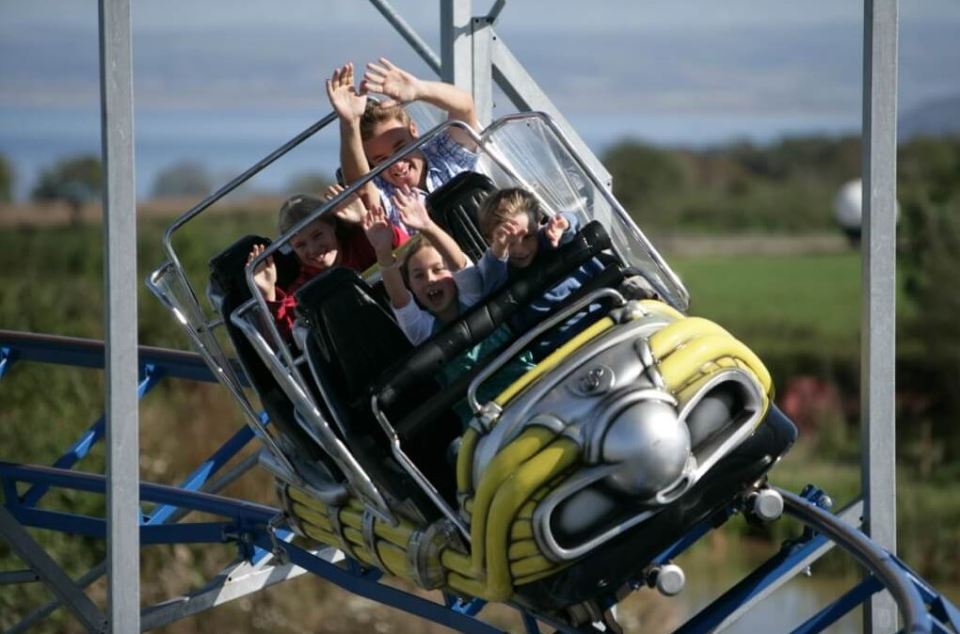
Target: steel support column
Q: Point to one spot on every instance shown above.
(455, 43)
(878, 317)
(120, 292)
(481, 86)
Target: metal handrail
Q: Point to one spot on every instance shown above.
(532, 334)
(257, 167)
(320, 430)
(869, 554)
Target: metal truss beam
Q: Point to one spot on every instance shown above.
(50, 572)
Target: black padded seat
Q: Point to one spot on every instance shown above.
(227, 281)
(352, 339)
(454, 206)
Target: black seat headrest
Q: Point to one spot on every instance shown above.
(454, 207)
(356, 336)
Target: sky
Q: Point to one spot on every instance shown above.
(664, 71)
(738, 55)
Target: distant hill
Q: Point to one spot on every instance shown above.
(940, 117)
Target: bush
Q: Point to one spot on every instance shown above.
(75, 180)
(183, 179)
(6, 180)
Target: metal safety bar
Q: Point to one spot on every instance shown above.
(318, 429)
(532, 334)
(204, 204)
(221, 368)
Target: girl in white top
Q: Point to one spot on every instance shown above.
(434, 271)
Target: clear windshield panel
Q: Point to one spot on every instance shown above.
(528, 150)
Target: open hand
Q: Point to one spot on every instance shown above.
(378, 230)
(265, 275)
(505, 235)
(346, 101)
(386, 79)
(412, 211)
(351, 210)
(555, 228)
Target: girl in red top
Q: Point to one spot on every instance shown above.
(334, 239)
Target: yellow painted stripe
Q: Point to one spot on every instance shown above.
(530, 566)
(465, 460)
(500, 468)
(659, 308)
(534, 473)
(521, 549)
(521, 530)
(466, 585)
(304, 498)
(524, 579)
(456, 562)
(688, 361)
(355, 536)
(395, 559)
(313, 517)
(672, 336)
(322, 536)
(399, 534)
(352, 518)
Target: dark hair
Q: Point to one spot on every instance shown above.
(298, 207)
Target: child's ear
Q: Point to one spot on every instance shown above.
(412, 127)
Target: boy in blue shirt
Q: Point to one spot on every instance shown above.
(370, 132)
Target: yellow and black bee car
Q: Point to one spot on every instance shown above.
(563, 486)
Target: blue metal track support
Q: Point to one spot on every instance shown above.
(202, 474)
(81, 447)
(157, 493)
(435, 612)
(156, 364)
(841, 607)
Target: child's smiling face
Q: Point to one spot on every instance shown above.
(387, 138)
(316, 245)
(431, 282)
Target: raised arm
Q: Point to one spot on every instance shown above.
(388, 79)
(380, 235)
(349, 106)
(414, 214)
(265, 276)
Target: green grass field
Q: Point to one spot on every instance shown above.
(780, 304)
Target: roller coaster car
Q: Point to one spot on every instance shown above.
(566, 485)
